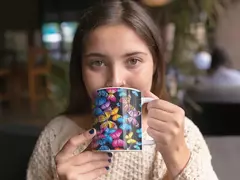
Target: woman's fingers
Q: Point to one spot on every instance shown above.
(72, 144)
(89, 156)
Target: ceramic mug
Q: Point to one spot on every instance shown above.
(117, 113)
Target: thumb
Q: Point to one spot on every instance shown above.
(149, 94)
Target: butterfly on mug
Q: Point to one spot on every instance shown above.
(137, 146)
(115, 114)
(104, 120)
(133, 114)
(100, 101)
(135, 93)
(108, 131)
(97, 111)
(125, 100)
(101, 143)
(117, 142)
(139, 132)
(102, 93)
(126, 127)
(104, 148)
(111, 96)
(105, 105)
(122, 92)
(129, 138)
(122, 119)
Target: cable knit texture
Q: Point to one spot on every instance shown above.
(145, 165)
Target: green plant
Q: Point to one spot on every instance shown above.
(59, 89)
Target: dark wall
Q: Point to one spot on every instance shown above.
(22, 14)
(18, 15)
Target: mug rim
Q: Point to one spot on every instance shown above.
(116, 87)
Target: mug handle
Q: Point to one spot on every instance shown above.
(145, 100)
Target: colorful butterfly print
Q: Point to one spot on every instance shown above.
(123, 118)
(126, 127)
(135, 93)
(101, 141)
(137, 146)
(139, 132)
(100, 101)
(118, 143)
(108, 124)
(109, 131)
(134, 113)
(133, 121)
(109, 139)
(129, 138)
(111, 96)
(125, 100)
(100, 136)
(102, 93)
(116, 134)
(97, 111)
(112, 90)
(105, 105)
(127, 106)
(120, 120)
(104, 117)
(115, 114)
(109, 110)
(122, 93)
(104, 148)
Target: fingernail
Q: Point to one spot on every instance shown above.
(107, 168)
(91, 131)
(110, 160)
(110, 154)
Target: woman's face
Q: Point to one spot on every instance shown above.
(115, 56)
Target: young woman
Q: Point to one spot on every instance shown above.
(118, 45)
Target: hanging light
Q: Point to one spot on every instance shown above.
(154, 3)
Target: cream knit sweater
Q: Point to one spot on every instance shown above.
(145, 165)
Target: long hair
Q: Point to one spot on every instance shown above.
(109, 12)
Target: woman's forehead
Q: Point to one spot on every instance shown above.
(115, 39)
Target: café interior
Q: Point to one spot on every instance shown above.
(35, 51)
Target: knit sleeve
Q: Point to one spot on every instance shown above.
(41, 164)
(199, 166)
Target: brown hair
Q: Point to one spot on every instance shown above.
(105, 13)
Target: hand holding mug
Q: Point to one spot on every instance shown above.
(166, 126)
(86, 165)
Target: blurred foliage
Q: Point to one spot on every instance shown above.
(59, 88)
(186, 15)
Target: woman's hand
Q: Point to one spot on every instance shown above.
(86, 165)
(166, 126)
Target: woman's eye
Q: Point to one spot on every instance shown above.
(97, 63)
(133, 61)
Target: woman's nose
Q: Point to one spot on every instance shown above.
(116, 78)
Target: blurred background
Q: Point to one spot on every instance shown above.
(201, 42)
